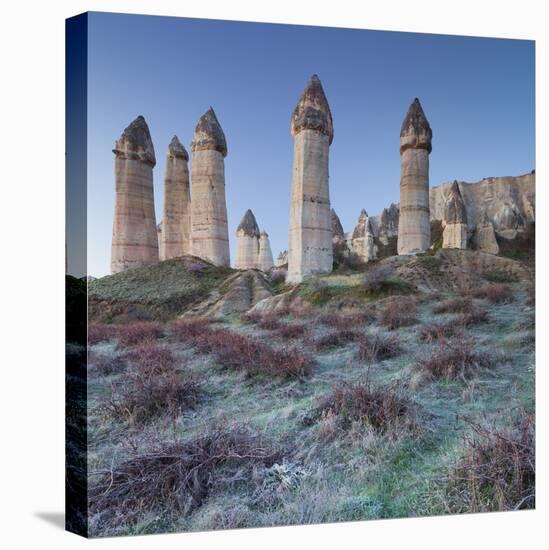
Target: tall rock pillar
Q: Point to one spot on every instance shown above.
(310, 235)
(265, 261)
(175, 234)
(414, 228)
(363, 238)
(209, 231)
(455, 220)
(134, 235)
(247, 242)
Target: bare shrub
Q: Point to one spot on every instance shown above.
(278, 276)
(104, 364)
(438, 331)
(99, 332)
(496, 470)
(454, 359)
(376, 347)
(269, 321)
(301, 309)
(251, 355)
(151, 387)
(176, 477)
(455, 305)
(139, 332)
(476, 316)
(346, 321)
(384, 409)
(187, 330)
(336, 339)
(496, 294)
(398, 312)
(292, 331)
(376, 276)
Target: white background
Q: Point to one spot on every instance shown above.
(32, 269)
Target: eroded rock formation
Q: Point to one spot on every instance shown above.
(265, 260)
(175, 234)
(134, 233)
(363, 238)
(414, 231)
(247, 242)
(455, 220)
(209, 231)
(310, 234)
(282, 259)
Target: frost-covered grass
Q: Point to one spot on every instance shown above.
(329, 463)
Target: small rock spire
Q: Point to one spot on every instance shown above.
(208, 134)
(337, 228)
(454, 211)
(176, 149)
(248, 225)
(135, 143)
(312, 111)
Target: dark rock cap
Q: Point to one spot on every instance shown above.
(135, 143)
(248, 225)
(312, 111)
(415, 131)
(454, 209)
(337, 228)
(208, 134)
(176, 149)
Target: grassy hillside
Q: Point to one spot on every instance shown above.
(160, 291)
(355, 405)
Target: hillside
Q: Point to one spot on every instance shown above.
(400, 390)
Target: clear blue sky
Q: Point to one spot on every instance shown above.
(478, 94)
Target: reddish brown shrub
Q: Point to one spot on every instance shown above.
(270, 321)
(139, 332)
(383, 408)
(496, 294)
(151, 387)
(251, 318)
(475, 317)
(102, 364)
(398, 312)
(177, 476)
(98, 332)
(188, 330)
(236, 351)
(496, 471)
(300, 309)
(292, 331)
(375, 347)
(453, 359)
(336, 339)
(455, 305)
(438, 331)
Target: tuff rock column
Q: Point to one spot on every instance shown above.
(265, 260)
(455, 219)
(310, 235)
(338, 235)
(209, 231)
(175, 234)
(363, 238)
(247, 242)
(414, 228)
(134, 235)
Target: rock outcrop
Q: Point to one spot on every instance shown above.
(265, 260)
(247, 242)
(363, 238)
(238, 294)
(455, 220)
(175, 234)
(414, 231)
(388, 223)
(134, 233)
(310, 235)
(338, 235)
